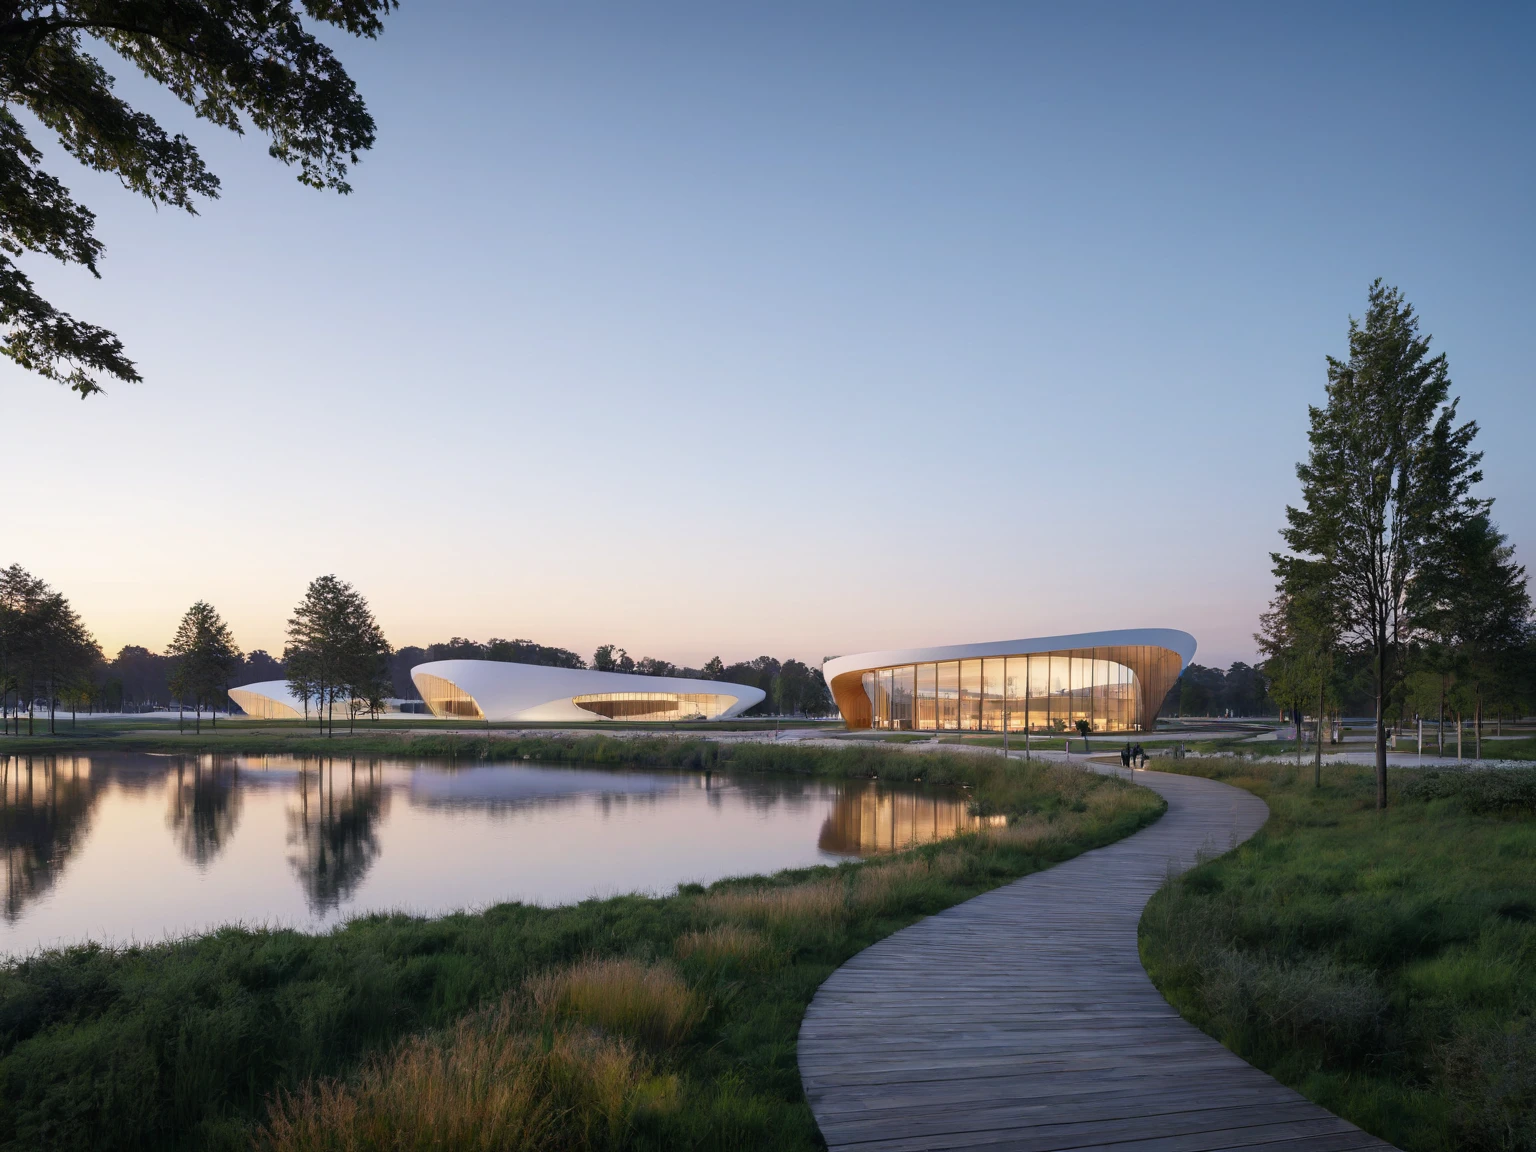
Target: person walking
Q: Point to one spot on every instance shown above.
(1138, 753)
(1125, 756)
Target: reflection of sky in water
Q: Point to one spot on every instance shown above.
(132, 847)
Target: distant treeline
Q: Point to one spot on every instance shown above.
(138, 679)
(1202, 691)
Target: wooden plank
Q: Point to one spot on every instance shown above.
(1023, 1019)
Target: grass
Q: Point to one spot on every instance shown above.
(631, 1022)
(1381, 963)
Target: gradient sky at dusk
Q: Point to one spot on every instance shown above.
(799, 328)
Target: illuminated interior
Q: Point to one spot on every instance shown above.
(260, 707)
(1115, 689)
(868, 820)
(445, 699)
(654, 705)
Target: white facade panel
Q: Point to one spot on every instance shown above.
(508, 692)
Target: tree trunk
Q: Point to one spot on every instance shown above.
(1440, 723)
(1477, 728)
(1381, 731)
(198, 730)
(1458, 737)
(1317, 762)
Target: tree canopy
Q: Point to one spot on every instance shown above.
(232, 62)
(205, 655)
(336, 650)
(44, 645)
(1386, 486)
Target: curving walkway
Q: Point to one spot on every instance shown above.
(1023, 1019)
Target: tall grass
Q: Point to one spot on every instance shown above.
(1383, 963)
(489, 1084)
(619, 994)
(629, 1022)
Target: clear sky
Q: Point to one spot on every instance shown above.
(798, 329)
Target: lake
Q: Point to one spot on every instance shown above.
(128, 847)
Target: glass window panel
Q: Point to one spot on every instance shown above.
(445, 699)
(949, 696)
(970, 695)
(654, 705)
(992, 695)
(926, 715)
(902, 686)
(1060, 690)
(1016, 693)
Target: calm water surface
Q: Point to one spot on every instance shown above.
(130, 847)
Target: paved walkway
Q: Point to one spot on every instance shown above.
(1023, 1019)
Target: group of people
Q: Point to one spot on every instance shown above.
(1133, 755)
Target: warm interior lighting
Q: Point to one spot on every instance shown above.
(654, 705)
(445, 699)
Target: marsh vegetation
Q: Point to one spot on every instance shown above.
(630, 1022)
(1383, 963)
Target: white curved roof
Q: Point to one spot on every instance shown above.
(1172, 639)
(278, 691)
(537, 692)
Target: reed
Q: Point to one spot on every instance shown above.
(815, 903)
(647, 1002)
(721, 944)
(486, 1085)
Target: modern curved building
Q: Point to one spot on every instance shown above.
(276, 700)
(269, 700)
(1114, 680)
(494, 690)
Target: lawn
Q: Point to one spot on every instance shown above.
(1381, 963)
(630, 1022)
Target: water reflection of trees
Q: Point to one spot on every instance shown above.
(868, 818)
(45, 811)
(333, 828)
(205, 802)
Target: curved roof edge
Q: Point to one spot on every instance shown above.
(509, 690)
(1172, 639)
(279, 690)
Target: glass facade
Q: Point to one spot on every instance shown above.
(654, 705)
(259, 707)
(445, 699)
(1043, 692)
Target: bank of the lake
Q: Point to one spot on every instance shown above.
(1381, 963)
(630, 1022)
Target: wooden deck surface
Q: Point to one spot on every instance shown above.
(1024, 1020)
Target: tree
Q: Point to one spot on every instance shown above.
(1387, 478)
(233, 62)
(1299, 637)
(1473, 599)
(336, 650)
(205, 654)
(44, 641)
(609, 658)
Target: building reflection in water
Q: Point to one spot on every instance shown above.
(868, 819)
(204, 806)
(333, 828)
(45, 814)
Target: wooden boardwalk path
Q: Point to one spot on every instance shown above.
(1023, 1019)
